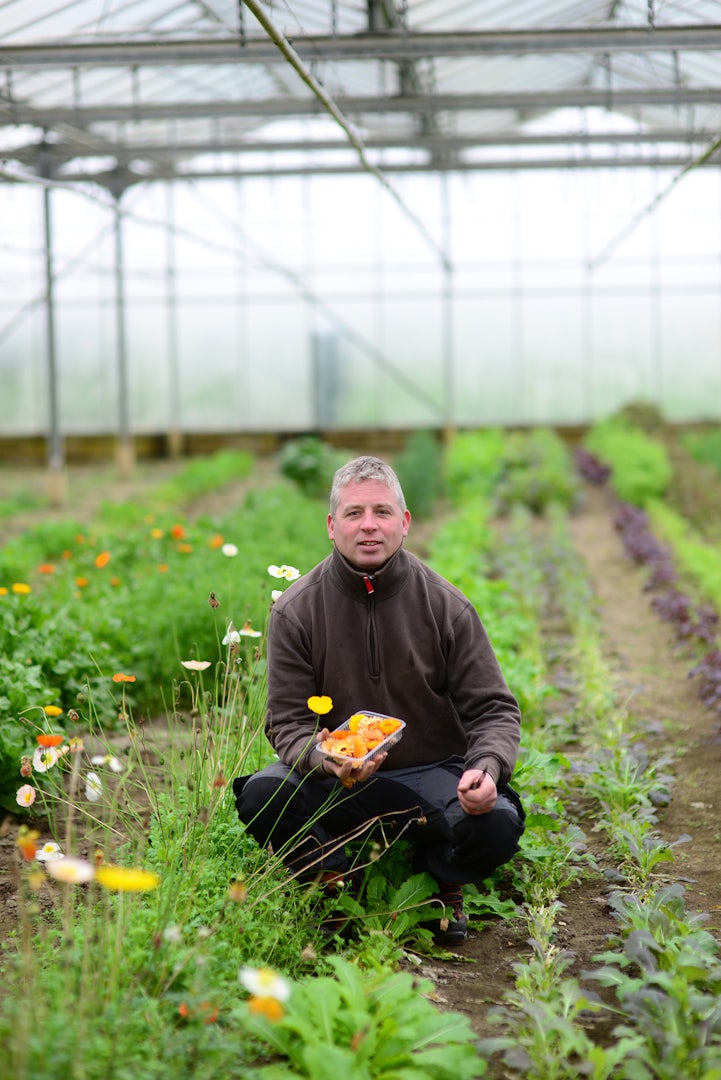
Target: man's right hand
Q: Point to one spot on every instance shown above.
(347, 771)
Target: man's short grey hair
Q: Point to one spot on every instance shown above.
(365, 468)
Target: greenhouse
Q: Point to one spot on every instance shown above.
(223, 217)
(360, 540)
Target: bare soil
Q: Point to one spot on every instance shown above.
(651, 676)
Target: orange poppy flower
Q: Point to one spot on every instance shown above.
(120, 677)
(102, 559)
(46, 568)
(49, 740)
(177, 532)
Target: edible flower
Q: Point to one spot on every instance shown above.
(320, 704)
(290, 573)
(25, 795)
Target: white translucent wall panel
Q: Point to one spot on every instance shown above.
(551, 371)
(149, 366)
(690, 331)
(23, 397)
(483, 212)
(485, 334)
(622, 363)
(86, 366)
(567, 300)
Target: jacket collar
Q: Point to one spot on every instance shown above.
(385, 581)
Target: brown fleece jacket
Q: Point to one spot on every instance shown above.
(401, 641)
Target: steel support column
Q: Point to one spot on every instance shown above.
(56, 451)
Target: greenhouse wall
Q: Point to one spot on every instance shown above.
(293, 304)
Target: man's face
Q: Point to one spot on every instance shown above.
(368, 526)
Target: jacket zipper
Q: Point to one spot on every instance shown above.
(372, 641)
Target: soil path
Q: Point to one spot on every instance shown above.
(652, 682)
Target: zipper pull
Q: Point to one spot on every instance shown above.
(368, 584)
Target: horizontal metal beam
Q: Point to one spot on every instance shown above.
(55, 154)
(391, 45)
(635, 161)
(529, 102)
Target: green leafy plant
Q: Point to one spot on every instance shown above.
(364, 1024)
(420, 470)
(640, 465)
(310, 463)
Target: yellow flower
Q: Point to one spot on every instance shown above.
(126, 879)
(21, 588)
(157, 534)
(320, 705)
(52, 710)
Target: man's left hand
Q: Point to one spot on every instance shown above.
(477, 791)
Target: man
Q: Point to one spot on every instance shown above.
(374, 629)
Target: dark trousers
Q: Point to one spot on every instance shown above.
(308, 820)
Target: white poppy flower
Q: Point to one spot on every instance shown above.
(49, 852)
(107, 759)
(45, 757)
(93, 787)
(264, 983)
(70, 870)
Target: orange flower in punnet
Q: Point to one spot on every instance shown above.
(102, 559)
(120, 677)
(320, 704)
(126, 879)
(52, 710)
